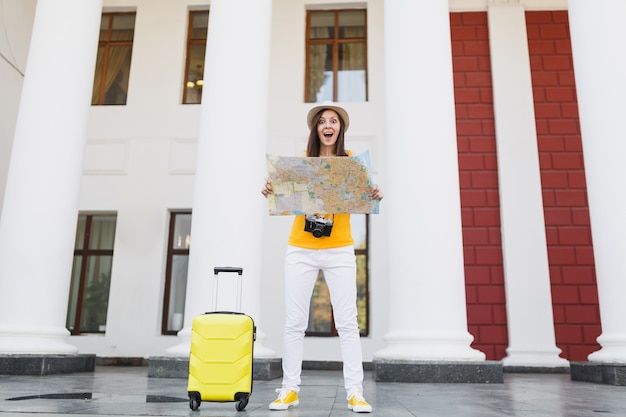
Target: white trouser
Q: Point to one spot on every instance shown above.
(301, 270)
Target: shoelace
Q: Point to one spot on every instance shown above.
(282, 393)
(358, 396)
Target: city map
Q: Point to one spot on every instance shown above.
(321, 185)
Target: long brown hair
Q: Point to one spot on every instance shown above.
(313, 147)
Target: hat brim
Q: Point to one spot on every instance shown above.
(329, 106)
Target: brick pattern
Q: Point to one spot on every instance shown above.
(486, 308)
(570, 249)
(568, 232)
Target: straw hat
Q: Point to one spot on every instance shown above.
(329, 105)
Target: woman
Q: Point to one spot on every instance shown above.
(307, 254)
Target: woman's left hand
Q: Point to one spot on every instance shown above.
(377, 193)
(267, 188)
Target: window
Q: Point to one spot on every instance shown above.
(336, 67)
(321, 321)
(115, 47)
(91, 273)
(196, 48)
(176, 272)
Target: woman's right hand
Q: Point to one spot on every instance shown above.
(267, 188)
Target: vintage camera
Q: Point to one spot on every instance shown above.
(317, 225)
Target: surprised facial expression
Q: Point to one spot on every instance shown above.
(328, 129)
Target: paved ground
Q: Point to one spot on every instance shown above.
(127, 391)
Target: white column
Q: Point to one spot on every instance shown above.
(532, 340)
(228, 208)
(39, 214)
(427, 307)
(598, 35)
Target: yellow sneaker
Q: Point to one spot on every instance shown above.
(286, 398)
(357, 403)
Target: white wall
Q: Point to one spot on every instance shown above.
(288, 134)
(140, 161)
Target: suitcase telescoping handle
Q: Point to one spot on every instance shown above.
(239, 272)
(219, 269)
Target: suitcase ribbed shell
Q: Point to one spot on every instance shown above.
(220, 363)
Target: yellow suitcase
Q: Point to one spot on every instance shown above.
(220, 361)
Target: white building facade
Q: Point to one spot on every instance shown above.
(61, 156)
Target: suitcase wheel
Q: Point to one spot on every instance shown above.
(241, 404)
(194, 401)
(243, 398)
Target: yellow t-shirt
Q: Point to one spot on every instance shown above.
(340, 234)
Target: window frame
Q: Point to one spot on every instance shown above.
(193, 42)
(107, 44)
(85, 253)
(335, 42)
(171, 253)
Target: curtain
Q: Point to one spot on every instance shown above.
(317, 62)
(353, 57)
(116, 57)
(351, 81)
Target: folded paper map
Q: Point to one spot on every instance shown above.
(321, 185)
